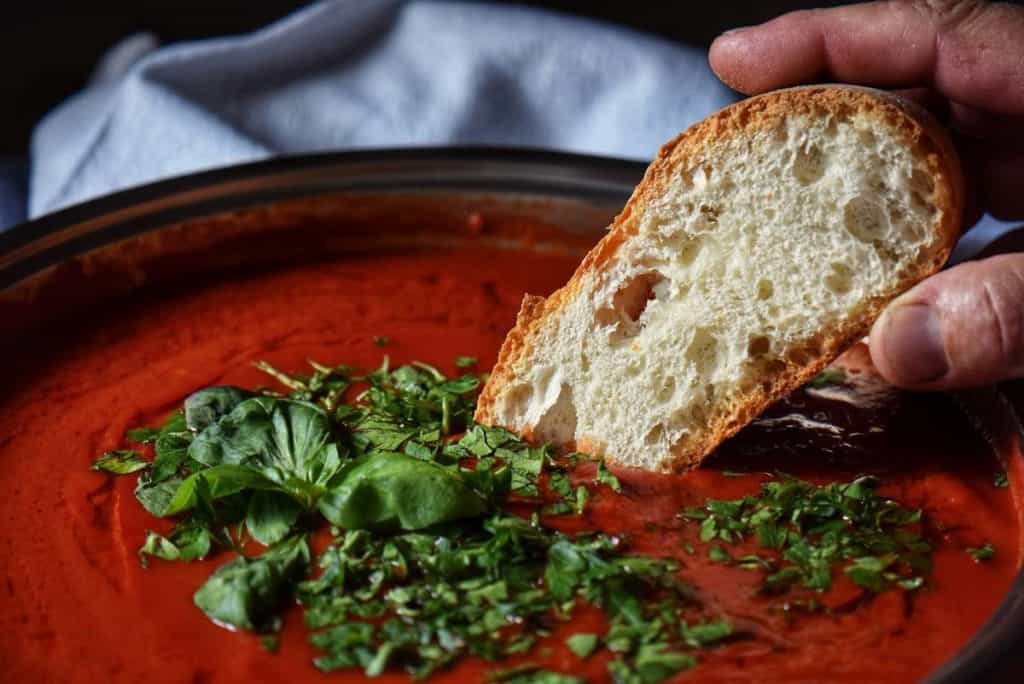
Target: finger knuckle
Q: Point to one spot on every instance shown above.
(1000, 308)
(948, 12)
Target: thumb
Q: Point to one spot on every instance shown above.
(961, 328)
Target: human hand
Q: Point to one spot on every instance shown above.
(964, 326)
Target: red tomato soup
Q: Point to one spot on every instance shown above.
(77, 605)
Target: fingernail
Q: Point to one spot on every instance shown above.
(912, 336)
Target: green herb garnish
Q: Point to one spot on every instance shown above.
(145, 435)
(583, 644)
(425, 567)
(829, 376)
(120, 462)
(986, 552)
(605, 476)
(817, 529)
(426, 563)
(1000, 480)
(532, 674)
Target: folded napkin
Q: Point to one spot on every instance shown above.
(368, 74)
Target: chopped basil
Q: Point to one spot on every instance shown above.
(583, 644)
(818, 529)
(143, 435)
(426, 566)
(986, 552)
(120, 462)
(719, 555)
(605, 476)
(186, 543)
(532, 674)
(707, 633)
(159, 547)
(1000, 480)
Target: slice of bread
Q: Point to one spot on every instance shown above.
(760, 243)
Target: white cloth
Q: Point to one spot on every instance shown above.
(368, 74)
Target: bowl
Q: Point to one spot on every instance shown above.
(59, 265)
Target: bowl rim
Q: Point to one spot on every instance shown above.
(491, 169)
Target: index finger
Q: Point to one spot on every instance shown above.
(971, 52)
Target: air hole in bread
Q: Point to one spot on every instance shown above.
(710, 213)
(809, 164)
(667, 389)
(864, 219)
(559, 421)
(629, 303)
(840, 279)
(765, 289)
(632, 298)
(703, 351)
(688, 252)
(759, 345)
(655, 436)
(866, 137)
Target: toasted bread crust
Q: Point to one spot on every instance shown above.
(922, 134)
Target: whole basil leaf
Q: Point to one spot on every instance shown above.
(206, 406)
(271, 516)
(245, 593)
(286, 441)
(394, 490)
(222, 481)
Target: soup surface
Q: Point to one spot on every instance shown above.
(77, 605)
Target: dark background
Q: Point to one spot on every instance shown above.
(48, 47)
